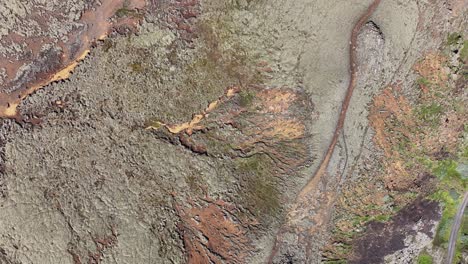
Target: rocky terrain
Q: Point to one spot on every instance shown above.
(193, 131)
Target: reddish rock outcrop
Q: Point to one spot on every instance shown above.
(44, 59)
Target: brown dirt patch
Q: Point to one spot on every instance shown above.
(389, 106)
(432, 68)
(393, 121)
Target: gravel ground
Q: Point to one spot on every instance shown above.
(90, 182)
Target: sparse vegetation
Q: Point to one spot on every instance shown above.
(223, 60)
(423, 81)
(260, 193)
(382, 218)
(107, 45)
(425, 258)
(136, 67)
(463, 246)
(450, 188)
(465, 152)
(409, 133)
(195, 182)
(430, 114)
(216, 146)
(453, 38)
(450, 207)
(446, 170)
(126, 12)
(464, 51)
(340, 261)
(246, 98)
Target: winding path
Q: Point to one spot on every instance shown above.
(349, 93)
(455, 228)
(322, 168)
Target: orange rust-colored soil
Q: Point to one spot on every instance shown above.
(260, 120)
(261, 132)
(212, 234)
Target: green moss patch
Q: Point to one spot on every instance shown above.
(246, 98)
(260, 194)
(446, 170)
(126, 12)
(430, 114)
(453, 38)
(425, 259)
(464, 234)
(450, 209)
(464, 51)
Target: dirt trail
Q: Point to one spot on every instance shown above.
(312, 185)
(352, 84)
(455, 228)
